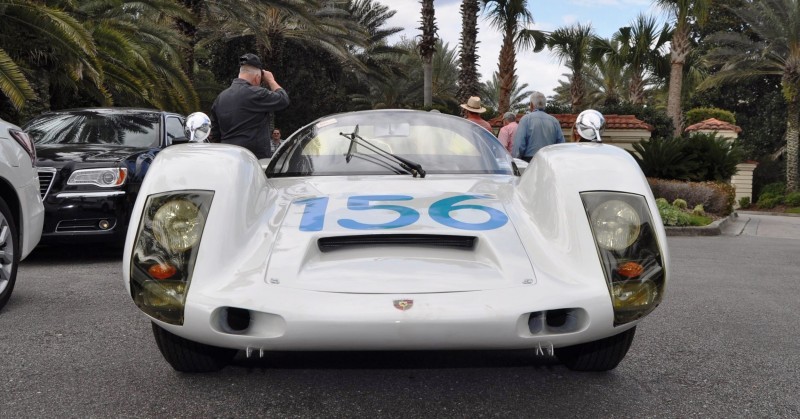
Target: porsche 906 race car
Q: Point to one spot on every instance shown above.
(394, 230)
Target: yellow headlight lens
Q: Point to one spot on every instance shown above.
(633, 295)
(178, 225)
(616, 225)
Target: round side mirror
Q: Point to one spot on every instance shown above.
(590, 125)
(197, 127)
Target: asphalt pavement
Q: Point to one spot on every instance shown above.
(723, 344)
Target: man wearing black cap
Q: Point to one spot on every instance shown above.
(240, 113)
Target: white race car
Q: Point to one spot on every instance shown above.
(394, 230)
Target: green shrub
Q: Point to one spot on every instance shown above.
(715, 197)
(769, 200)
(679, 204)
(701, 157)
(672, 216)
(663, 158)
(792, 199)
(715, 157)
(777, 188)
(701, 114)
(744, 202)
(661, 202)
(699, 211)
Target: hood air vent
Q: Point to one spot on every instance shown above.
(327, 244)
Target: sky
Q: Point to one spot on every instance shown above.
(540, 70)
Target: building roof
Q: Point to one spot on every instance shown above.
(612, 121)
(713, 124)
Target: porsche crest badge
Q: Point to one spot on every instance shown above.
(403, 305)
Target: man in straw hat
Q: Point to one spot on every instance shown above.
(473, 111)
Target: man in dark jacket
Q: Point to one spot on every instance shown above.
(240, 114)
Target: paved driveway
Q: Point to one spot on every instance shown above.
(764, 225)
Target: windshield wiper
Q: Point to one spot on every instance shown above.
(407, 165)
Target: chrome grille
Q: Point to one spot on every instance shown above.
(46, 176)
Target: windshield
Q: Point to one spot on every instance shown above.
(96, 127)
(441, 144)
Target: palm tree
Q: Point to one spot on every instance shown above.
(34, 35)
(640, 50)
(140, 53)
(571, 45)
(684, 12)
(511, 17)
(426, 47)
(490, 92)
(468, 82)
(776, 23)
(608, 80)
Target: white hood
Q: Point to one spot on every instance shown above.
(317, 209)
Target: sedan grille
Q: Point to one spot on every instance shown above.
(327, 244)
(46, 177)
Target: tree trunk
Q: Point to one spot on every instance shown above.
(680, 50)
(576, 92)
(792, 144)
(427, 70)
(468, 84)
(427, 47)
(508, 62)
(636, 91)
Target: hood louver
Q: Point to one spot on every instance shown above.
(328, 244)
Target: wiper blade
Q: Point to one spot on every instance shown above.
(410, 166)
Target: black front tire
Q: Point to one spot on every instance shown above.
(600, 355)
(188, 356)
(9, 253)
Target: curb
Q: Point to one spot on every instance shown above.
(777, 214)
(713, 229)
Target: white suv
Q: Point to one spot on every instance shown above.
(21, 211)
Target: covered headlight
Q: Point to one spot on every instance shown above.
(616, 224)
(104, 178)
(165, 251)
(178, 225)
(629, 251)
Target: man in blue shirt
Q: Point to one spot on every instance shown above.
(536, 130)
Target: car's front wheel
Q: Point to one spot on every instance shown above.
(9, 253)
(600, 355)
(188, 356)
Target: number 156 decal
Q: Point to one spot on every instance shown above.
(315, 208)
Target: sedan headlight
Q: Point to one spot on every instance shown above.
(629, 251)
(165, 251)
(104, 178)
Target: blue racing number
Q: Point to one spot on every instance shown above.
(314, 213)
(440, 212)
(407, 216)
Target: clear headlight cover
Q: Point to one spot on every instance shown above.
(165, 252)
(629, 251)
(616, 224)
(104, 177)
(178, 224)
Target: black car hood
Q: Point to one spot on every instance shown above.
(87, 153)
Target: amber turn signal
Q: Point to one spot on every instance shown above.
(630, 269)
(161, 271)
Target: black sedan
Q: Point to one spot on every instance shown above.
(91, 163)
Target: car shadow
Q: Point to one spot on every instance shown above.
(72, 253)
(395, 359)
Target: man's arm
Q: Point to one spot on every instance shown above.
(559, 133)
(520, 139)
(273, 98)
(215, 135)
